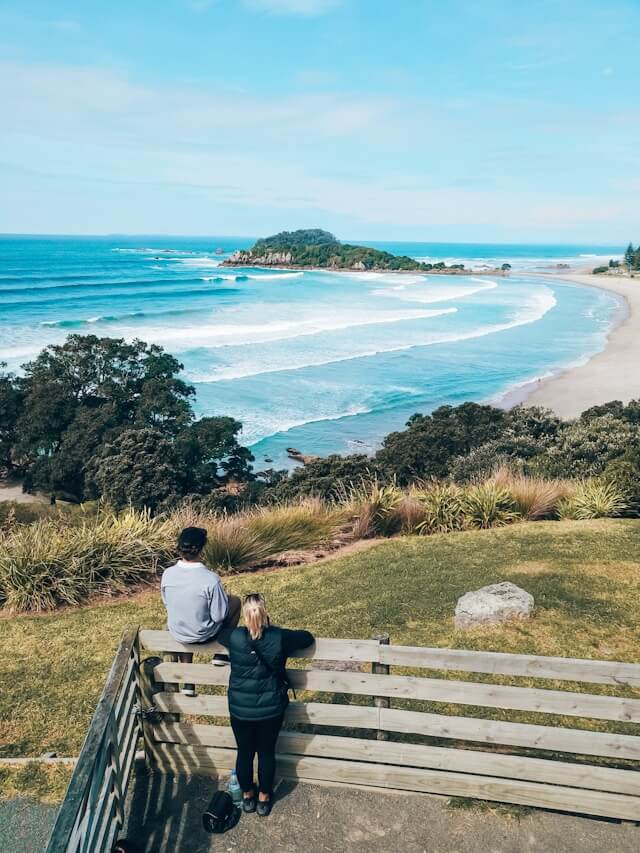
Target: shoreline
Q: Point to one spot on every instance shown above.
(602, 377)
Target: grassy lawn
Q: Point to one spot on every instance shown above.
(585, 577)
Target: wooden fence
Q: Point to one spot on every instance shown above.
(93, 809)
(572, 782)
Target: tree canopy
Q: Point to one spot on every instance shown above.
(80, 407)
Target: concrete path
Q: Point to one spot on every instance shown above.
(25, 825)
(166, 814)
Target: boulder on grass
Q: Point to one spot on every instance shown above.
(491, 605)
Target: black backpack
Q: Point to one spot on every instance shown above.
(221, 814)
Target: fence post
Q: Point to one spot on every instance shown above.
(381, 669)
(148, 688)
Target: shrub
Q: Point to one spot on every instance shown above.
(624, 473)
(377, 508)
(488, 505)
(442, 508)
(533, 497)
(295, 526)
(593, 499)
(50, 563)
(240, 542)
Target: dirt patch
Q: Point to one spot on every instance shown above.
(532, 567)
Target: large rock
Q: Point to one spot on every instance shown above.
(499, 602)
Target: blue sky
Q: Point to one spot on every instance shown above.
(493, 120)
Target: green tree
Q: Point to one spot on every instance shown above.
(430, 442)
(629, 256)
(78, 397)
(326, 478)
(210, 455)
(139, 468)
(10, 406)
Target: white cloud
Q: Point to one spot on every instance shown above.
(303, 8)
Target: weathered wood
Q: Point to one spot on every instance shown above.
(78, 808)
(381, 669)
(418, 755)
(461, 660)
(499, 663)
(556, 739)
(432, 689)
(323, 649)
(203, 759)
(317, 713)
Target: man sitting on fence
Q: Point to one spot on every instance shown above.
(198, 607)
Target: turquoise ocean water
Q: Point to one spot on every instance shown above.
(324, 362)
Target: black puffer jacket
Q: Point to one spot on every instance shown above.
(257, 689)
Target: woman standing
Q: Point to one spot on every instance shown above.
(259, 695)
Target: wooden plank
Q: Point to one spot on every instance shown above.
(556, 739)
(317, 713)
(492, 663)
(85, 768)
(419, 755)
(557, 797)
(530, 666)
(432, 689)
(323, 648)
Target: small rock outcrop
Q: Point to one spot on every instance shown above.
(499, 602)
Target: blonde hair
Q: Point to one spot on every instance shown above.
(254, 612)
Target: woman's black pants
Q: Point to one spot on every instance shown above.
(256, 736)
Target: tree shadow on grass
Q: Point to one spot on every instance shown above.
(582, 597)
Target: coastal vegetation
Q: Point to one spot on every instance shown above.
(313, 247)
(109, 426)
(584, 576)
(54, 562)
(630, 262)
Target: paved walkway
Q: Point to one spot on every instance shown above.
(166, 814)
(25, 825)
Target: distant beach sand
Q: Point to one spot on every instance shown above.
(612, 374)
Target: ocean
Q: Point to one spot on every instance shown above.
(323, 362)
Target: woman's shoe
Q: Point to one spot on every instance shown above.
(249, 804)
(264, 808)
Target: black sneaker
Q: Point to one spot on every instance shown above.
(220, 660)
(188, 690)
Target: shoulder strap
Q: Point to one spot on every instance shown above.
(281, 674)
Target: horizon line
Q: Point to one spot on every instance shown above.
(131, 234)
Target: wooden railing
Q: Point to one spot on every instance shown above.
(609, 788)
(92, 812)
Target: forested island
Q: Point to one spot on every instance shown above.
(314, 248)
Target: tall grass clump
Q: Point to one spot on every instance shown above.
(534, 498)
(239, 542)
(377, 508)
(442, 508)
(488, 505)
(593, 499)
(50, 563)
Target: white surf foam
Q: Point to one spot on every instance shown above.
(224, 334)
(541, 301)
(433, 292)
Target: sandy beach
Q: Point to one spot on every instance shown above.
(610, 375)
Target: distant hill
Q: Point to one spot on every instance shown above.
(313, 247)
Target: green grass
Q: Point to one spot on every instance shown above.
(585, 577)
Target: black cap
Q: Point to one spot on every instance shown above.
(192, 539)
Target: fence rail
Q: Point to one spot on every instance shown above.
(176, 744)
(93, 809)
